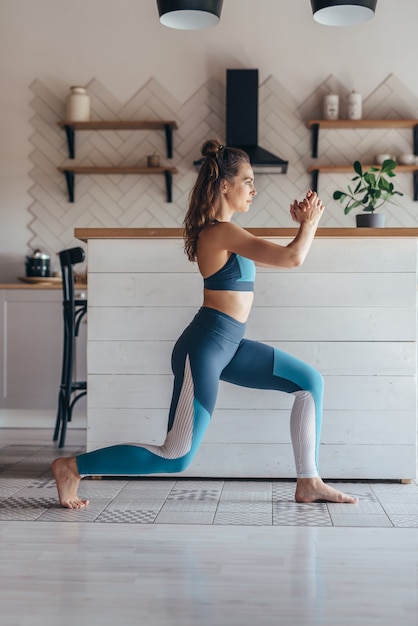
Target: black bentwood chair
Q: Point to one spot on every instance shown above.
(73, 312)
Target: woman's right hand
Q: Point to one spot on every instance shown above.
(309, 210)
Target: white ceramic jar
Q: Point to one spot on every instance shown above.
(354, 106)
(331, 107)
(78, 105)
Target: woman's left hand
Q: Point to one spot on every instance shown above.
(310, 209)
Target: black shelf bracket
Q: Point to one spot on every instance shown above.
(315, 176)
(315, 139)
(415, 131)
(415, 186)
(69, 131)
(168, 185)
(70, 179)
(169, 140)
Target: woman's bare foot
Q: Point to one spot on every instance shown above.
(67, 478)
(313, 489)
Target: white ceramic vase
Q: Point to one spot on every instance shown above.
(78, 105)
(354, 106)
(331, 106)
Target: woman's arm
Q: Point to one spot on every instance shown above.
(307, 214)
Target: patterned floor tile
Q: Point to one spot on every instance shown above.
(369, 521)
(243, 517)
(295, 514)
(24, 508)
(284, 491)
(401, 508)
(186, 494)
(362, 507)
(189, 505)
(404, 521)
(123, 503)
(28, 493)
(183, 517)
(395, 488)
(127, 516)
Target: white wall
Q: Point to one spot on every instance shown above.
(122, 44)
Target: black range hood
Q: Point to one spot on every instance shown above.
(242, 121)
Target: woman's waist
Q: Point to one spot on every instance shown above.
(236, 304)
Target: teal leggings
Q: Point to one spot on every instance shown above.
(213, 348)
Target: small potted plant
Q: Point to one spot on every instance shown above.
(372, 190)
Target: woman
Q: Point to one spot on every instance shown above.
(212, 347)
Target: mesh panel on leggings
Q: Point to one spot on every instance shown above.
(179, 439)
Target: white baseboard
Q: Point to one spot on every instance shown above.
(26, 418)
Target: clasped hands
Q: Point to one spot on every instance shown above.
(309, 210)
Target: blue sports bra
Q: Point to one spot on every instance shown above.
(238, 274)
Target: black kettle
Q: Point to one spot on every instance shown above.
(39, 264)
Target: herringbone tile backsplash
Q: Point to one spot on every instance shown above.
(140, 201)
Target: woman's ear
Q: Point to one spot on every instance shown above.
(224, 186)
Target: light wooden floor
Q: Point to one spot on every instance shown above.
(84, 572)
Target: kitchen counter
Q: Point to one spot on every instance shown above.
(85, 234)
(350, 311)
(38, 286)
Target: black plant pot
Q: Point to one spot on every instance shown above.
(370, 220)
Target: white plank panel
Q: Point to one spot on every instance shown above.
(338, 427)
(358, 255)
(355, 357)
(353, 320)
(265, 323)
(129, 425)
(155, 323)
(328, 324)
(326, 255)
(362, 427)
(256, 426)
(154, 357)
(348, 392)
(138, 255)
(336, 290)
(391, 462)
(130, 357)
(279, 289)
(165, 290)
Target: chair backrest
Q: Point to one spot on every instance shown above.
(69, 258)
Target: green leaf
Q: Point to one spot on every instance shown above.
(357, 168)
(387, 166)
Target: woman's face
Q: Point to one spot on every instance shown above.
(241, 191)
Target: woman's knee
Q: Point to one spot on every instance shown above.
(314, 380)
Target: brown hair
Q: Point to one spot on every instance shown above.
(220, 163)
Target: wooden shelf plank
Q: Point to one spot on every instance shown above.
(118, 124)
(335, 169)
(94, 169)
(84, 234)
(70, 171)
(366, 123)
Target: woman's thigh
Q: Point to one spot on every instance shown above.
(261, 366)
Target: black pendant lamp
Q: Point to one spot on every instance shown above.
(189, 14)
(343, 12)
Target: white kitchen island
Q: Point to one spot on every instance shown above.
(350, 311)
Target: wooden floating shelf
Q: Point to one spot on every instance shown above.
(317, 125)
(119, 124)
(71, 170)
(335, 169)
(368, 123)
(166, 125)
(95, 169)
(71, 126)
